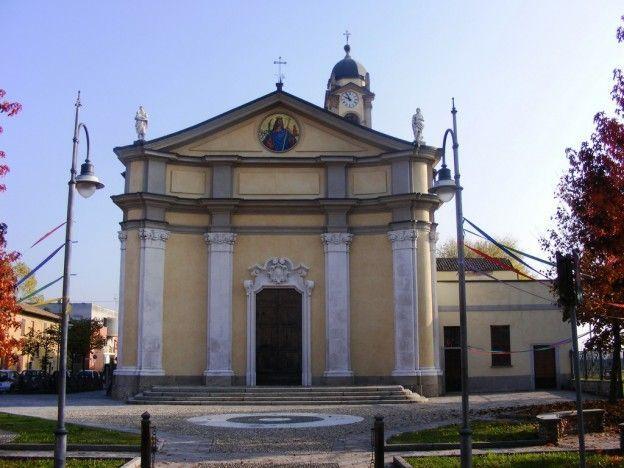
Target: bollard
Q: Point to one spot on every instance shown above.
(146, 441)
(621, 426)
(378, 434)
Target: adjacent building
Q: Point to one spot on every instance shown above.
(33, 321)
(98, 358)
(505, 314)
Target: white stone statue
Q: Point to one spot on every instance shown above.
(140, 123)
(418, 124)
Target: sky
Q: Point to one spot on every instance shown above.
(527, 77)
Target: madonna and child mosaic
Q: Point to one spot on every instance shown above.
(278, 132)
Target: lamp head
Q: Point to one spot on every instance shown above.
(445, 186)
(87, 182)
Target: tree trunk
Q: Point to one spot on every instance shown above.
(615, 387)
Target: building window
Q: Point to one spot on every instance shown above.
(500, 342)
(352, 118)
(451, 337)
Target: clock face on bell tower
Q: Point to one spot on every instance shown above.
(348, 91)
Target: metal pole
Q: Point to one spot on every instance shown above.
(60, 433)
(378, 429)
(146, 441)
(577, 367)
(465, 432)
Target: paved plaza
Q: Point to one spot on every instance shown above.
(323, 445)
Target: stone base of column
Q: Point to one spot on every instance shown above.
(218, 378)
(151, 372)
(431, 385)
(337, 378)
(405, 373)
(125, 386)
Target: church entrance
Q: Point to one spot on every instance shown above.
(278, 337)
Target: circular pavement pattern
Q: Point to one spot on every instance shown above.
(274, 420)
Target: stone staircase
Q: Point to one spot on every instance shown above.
(258, 396)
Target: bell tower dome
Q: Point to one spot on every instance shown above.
(348, 90)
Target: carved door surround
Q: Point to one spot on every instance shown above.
(279, 272)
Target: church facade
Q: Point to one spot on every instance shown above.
(280, 243)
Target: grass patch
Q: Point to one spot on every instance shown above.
(41, 431)
(483, 431)
(520, 460)
(71, 463)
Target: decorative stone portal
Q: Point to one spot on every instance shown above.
(282, 274)
(275, 420)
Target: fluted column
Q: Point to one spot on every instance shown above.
(220, 276)
(151, 288)
(426, 331)
(433, 239)
(337, 310)
(405, 286)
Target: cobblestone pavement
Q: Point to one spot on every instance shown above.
(185, 442)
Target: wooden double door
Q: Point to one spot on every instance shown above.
(545, 367)
(278, 337)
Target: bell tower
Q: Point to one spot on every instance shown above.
(348, 91)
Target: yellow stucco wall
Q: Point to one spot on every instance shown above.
(278, 220)
(252, 249)
(527, 327)
(420, 177)
(370, 219)
(242, 138)
(369, 181)
(184, 307)
(188, 181)
(135, 184)
(372, 307)
(131, 300)
(279, 182)
(187, 219)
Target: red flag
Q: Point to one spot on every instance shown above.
(48, 233)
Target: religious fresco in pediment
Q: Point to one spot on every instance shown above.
(279, 132)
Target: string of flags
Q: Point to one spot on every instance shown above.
(476, 349)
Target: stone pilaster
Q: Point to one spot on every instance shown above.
(220, 277)
(151, 288)
(433, 240)
(405, 286)
(121, 369)
(337, 310)
(426, 331)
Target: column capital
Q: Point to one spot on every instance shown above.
(123, 237)
(220, 238)
(336, 241)
(403, 238)
(220, 241)
(153, 238)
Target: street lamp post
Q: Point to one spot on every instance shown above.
(446, 188)
(86, 184)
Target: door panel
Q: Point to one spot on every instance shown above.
(278, 337)
(545, 367)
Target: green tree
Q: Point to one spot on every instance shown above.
(448, 249)
(84, 336)
(30, 345)
(29, 286)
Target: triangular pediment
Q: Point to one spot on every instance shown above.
(312, 131)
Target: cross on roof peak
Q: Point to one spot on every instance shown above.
(279, 62)
(346, 34)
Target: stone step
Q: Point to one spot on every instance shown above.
(271, 395)
(268, 398)
(201, 388)
(138, 401)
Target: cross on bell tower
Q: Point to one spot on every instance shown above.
(280, 76)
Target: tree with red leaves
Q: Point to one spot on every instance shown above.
(590, 219)
(8, 305)
(10, 109)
